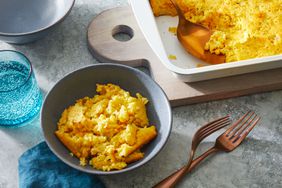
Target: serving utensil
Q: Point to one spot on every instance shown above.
(193, 38)
(227, 142)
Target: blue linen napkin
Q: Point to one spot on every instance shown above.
(39, 167)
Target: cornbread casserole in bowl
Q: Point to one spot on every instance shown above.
(106, 119)
(108, 129)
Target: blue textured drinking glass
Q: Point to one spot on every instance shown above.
(20, 96)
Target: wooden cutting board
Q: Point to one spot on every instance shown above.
(137, 52)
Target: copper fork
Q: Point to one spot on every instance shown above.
(202, 133)
(227, 142)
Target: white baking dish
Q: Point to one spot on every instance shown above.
(164, 43)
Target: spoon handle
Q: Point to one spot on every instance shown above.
(171, 180)
(177, 8)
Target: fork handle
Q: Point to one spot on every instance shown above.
(202, 157)
(171, 180)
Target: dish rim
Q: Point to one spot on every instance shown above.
(126, 169)
(43, 28)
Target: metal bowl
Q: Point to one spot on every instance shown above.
(81, 83)
(29, 20)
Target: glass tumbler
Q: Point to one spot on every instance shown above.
(20, 96)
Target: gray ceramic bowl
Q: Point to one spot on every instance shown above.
(23, 21)
(81, 83)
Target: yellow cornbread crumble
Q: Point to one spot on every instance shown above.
(172, 30)
(107, 130)
(242, 29)
(172, 57)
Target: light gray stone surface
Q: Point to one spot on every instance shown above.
(256, 163)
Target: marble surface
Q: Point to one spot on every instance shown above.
(256, 163)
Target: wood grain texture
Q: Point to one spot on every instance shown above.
(137, 52)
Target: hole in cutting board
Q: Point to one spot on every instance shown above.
(122, 33)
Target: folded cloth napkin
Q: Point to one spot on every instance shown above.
(39, 167)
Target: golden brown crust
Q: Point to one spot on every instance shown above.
(134, 157)
(73, 146)
(144, 136)
(163, 7)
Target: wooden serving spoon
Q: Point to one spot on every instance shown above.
(193, 38)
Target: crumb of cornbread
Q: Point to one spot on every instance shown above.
(108, 130)
(172, 57)
(241, 29)
(200, 65)
(172, 30)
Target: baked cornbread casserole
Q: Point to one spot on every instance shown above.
(242, 29)
(108, 130)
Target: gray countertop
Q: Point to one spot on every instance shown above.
(256, 163)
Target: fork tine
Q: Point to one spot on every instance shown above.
(240, 125)
(243, 128)
(213, 129)
(203, 129)
(213, 125)
(236, 123)
(213, 122)
(247, 131)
